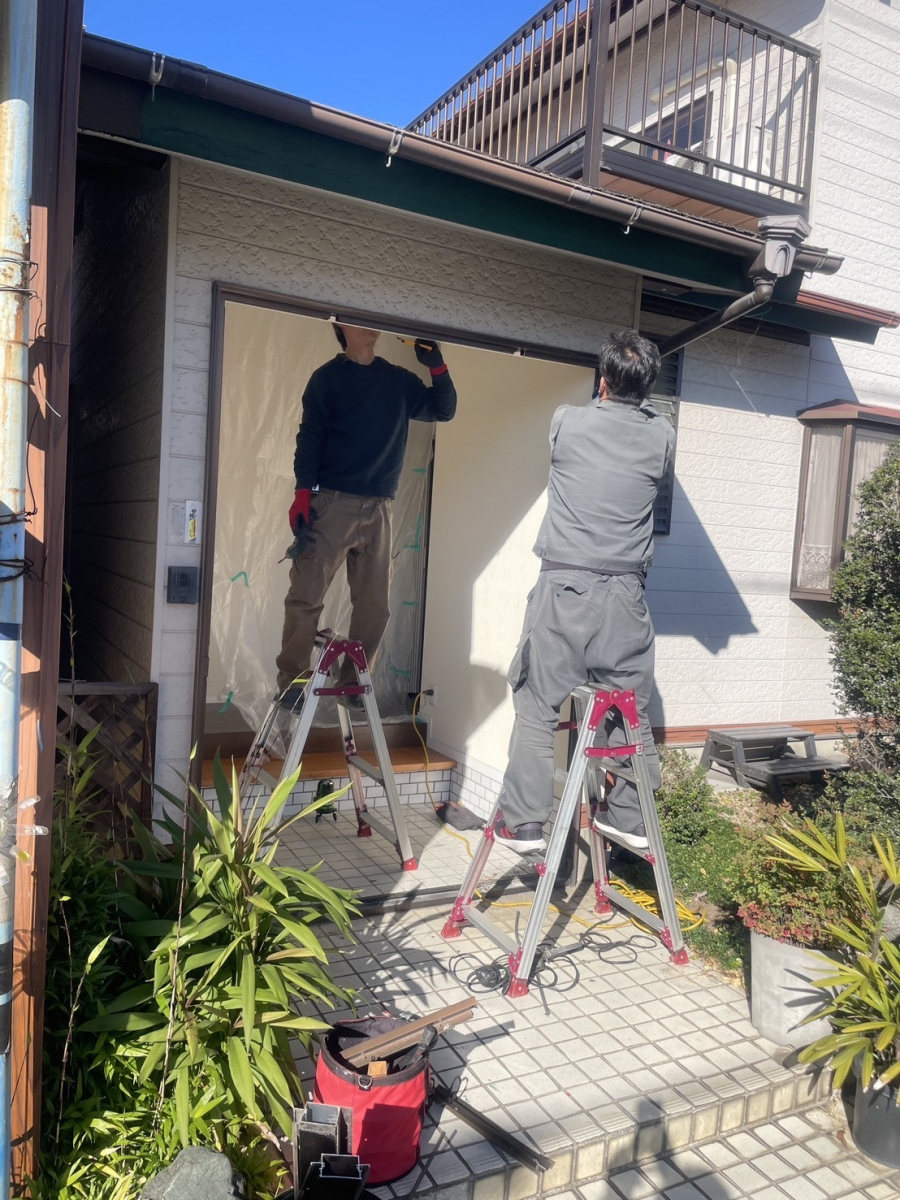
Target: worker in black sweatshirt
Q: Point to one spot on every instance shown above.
(350, 449)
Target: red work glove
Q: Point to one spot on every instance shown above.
(299, 513)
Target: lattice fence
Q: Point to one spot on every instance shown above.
(125, 743)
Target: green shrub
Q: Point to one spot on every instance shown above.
(183, 1012)
(685, 799)
(779, 901)
(866, 657)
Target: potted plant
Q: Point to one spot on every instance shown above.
(789, 912)
(862, 989)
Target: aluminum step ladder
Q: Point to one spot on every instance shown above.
(584, 781)
(282, 738)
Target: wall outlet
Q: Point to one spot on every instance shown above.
(430, 701)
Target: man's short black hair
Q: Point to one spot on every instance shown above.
(630, 364)
(339, 334)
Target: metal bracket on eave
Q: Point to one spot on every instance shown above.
(783, 236)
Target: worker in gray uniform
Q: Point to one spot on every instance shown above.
(586, 619)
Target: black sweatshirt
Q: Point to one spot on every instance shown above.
(356, 422)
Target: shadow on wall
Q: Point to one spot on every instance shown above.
(702, 601)
(491, 471)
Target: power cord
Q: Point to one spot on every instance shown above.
(687, 919)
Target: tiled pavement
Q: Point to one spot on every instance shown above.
(371, 864)
(800, 1157)
(624, 1059)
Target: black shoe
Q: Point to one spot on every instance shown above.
(524, 839)
(291, 699)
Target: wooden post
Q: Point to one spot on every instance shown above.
(596, 101)
(53, 206)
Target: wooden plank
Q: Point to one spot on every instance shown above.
(333, 765)
(695, 735)
(53, 209)
(384, 1043)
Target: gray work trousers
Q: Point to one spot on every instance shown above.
(355, 530)
(579, 627)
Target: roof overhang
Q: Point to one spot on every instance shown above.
(184, 109)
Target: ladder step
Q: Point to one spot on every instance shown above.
(379, 826)
(620, 772)
(635, 910)
(491, 930)
(261, 777)
(366, 767)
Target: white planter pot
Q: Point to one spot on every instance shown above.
(781, 991)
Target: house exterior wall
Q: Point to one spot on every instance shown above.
(235, 228)
(856, 179)
(119, 303)
(732, 645)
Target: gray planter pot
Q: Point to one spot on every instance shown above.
(876, 1124)
(782, 994)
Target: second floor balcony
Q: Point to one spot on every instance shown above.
(674, 101)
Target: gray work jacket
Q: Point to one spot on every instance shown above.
(606, 464)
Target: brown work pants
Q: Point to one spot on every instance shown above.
(344, 528)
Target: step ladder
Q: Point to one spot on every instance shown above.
(584, 782)
(282, 739)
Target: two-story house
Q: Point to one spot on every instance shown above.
(720, 177)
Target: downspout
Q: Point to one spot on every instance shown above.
(783, 235)
(18, 38)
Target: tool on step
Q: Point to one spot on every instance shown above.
(585, 780)
(533, 1159)
(385, 1044)
(325, 788)
(278, 747)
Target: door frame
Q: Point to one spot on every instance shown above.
(228, 293)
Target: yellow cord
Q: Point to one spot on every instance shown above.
(687, 919)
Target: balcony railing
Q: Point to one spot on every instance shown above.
(678, 82)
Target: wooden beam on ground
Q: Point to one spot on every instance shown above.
(53, 208)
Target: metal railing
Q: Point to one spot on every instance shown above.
(681, 82)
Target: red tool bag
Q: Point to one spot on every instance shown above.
(388, 1110)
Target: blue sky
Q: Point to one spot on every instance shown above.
(385, 59)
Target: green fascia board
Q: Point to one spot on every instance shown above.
(179, 123)
(792, 315)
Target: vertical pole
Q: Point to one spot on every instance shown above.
(51, 249)
(596, 103)
(18, 33)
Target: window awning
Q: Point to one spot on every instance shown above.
(846, 410)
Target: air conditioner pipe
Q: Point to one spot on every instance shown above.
(18, 38)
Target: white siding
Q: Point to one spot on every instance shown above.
(728, 634)
(856, 186)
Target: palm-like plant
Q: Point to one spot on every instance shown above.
(863, 990)
(232, 954)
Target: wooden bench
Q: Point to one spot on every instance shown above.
(762, 755)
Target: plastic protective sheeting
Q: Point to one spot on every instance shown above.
(268, 358)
